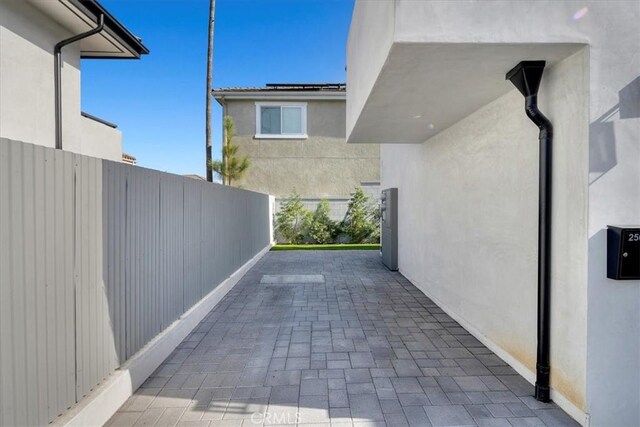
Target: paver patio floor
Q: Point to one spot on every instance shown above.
(365, 347)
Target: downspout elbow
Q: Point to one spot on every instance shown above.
(98, 28)
(539, 119)
(57, 73)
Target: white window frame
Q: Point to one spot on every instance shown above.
(303, 114)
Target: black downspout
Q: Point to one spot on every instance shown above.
(526, 76)
(57, 59)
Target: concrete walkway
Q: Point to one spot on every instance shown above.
(333, 338)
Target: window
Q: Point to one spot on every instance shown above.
(281, 120)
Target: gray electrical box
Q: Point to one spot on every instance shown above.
(389, 225)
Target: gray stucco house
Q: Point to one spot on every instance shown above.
(294, 135)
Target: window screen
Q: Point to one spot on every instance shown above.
(270, 121)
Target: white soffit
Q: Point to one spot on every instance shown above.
(73, 19)
(423, 88)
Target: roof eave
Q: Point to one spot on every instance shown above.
(278, 95)
(134, 45)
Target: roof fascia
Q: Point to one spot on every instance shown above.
(93, 9)
(281, 96)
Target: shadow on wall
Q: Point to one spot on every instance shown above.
(18, 27)
(602, 138)
(162, 247)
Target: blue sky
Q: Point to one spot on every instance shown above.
(158, 102)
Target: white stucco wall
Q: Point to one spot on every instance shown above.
(468, 195)
(370, 38)
(468, 222)
(613, 358)
(100, 140)
(27, 113)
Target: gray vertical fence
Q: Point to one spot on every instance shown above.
(96, 259)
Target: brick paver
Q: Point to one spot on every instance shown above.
(365, 347)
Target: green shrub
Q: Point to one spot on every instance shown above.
(362, 222)
(322, 228)
(292, 220)
(295, 224)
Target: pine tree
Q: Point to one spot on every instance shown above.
(232, 167)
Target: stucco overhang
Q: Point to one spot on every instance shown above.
(423, 88)
(78, 16)
(414, 68)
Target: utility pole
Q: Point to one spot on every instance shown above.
(212, 20)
